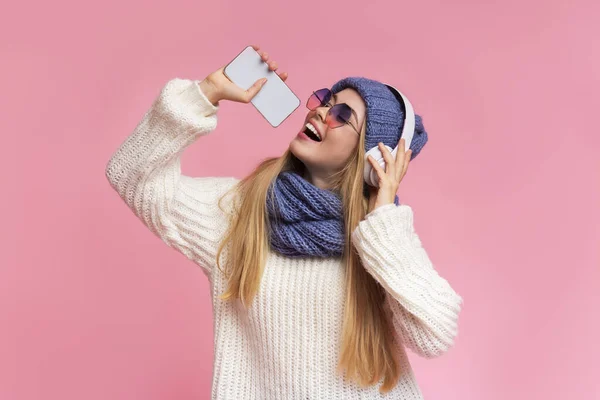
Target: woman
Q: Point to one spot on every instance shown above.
(318, 282)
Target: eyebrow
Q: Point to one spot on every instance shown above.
(353, 112)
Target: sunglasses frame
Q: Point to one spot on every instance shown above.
(328, 115)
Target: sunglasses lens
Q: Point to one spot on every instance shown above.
(340, 114)
(318, 99)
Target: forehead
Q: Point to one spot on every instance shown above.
(353, 99)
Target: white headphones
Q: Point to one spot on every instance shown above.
(408, 131)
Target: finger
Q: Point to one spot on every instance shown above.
(406, 162)
(387, 156)
(400, 158)
(265, 56)
(257, 48)
(253, 90)
(401, 152)
(380, 172)
(272, 65)
(283, 76)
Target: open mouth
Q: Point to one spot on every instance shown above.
(313, 136)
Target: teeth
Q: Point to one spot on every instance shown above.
(313, 129)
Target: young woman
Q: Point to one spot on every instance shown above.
(318, 281)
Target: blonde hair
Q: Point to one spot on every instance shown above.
(369, 350)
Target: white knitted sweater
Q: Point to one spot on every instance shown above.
(287, 345)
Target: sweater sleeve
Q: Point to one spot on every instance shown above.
(424, 306)
(146, 173)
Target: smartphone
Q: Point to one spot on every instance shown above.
(275, 100)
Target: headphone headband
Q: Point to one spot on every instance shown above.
(408, 130)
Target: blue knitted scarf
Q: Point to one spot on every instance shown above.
(305, 220)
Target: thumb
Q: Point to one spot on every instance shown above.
(254, 89)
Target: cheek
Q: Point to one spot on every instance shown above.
(340, 146)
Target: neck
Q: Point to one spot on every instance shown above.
(319, 180)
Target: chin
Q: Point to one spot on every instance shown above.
(296, 148)
(301, 152)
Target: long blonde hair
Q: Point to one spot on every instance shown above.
(369, 350)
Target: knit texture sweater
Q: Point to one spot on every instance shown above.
(287, 344)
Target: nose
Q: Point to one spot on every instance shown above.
(322, 113)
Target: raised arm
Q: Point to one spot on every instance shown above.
(146, 173)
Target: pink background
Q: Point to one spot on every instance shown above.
(506, 192)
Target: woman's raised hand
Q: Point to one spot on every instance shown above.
(217, 86)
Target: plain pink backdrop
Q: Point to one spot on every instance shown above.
(505, 193)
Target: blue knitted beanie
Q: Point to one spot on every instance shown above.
(385, 115)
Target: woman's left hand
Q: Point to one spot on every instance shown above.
(390, 179)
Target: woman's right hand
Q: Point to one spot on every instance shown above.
(217, 86)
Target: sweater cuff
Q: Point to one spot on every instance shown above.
(381, 209)
(185, 103)
(391, 218)
(197, 97)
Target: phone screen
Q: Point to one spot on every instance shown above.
(275, 100)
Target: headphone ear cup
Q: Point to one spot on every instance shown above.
(374, 178)
(370, 174)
